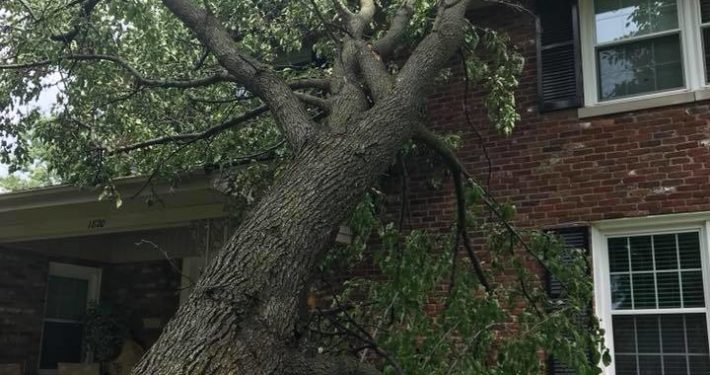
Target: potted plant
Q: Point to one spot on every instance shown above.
(104, 334)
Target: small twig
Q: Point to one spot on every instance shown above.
(167, 256)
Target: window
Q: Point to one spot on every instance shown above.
(641, 48)
(652, 297)
(69, 290)
(638, 47)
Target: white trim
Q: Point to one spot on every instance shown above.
(90, 274)
(601, 231)
(691, 54)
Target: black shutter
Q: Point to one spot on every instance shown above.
(574, 238)
(558, 55)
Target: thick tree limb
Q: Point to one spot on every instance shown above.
(189, 137)
(307, 83)
(374, 72)
(137, 76)
(349, 98)
(367, 10)
(386, 45)
(434, 52)
(314, 101)
(289, 113)
(343, 10)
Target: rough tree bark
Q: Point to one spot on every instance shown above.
(242, 315)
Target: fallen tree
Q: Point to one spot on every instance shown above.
(335, 127)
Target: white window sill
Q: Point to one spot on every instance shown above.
(637, 104)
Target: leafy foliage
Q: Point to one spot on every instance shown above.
(430, 314)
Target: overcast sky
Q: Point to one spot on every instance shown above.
(46, 99)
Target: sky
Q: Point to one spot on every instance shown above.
(45, 101)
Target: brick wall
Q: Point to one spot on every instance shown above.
(558, 169)
(23, 281)
(145, 294)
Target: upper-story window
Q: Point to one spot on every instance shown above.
(638, 47)
(634, 49)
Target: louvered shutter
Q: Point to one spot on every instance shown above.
(574, 238)
(558, 55)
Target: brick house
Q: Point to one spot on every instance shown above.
(613, 152)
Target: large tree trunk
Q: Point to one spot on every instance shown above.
(241, 317)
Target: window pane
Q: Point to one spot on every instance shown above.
(66, 298)
(647, 331)
(640, 67)
(672, 330)
(624, 334)
(650, 365)
(676, 334)
(620, 292)
(617, 19)
(693, 289)
(675, 365)
(699, 365)
(625, 364)
(666, 255)
(689, 249)
(641, 254)
(668, 290)
(644, 291)
(696, 325)
(706, 52)
(705, 11)
(618, 255)
(61, 342)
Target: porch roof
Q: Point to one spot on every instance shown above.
(65, 211)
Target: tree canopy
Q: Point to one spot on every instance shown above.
(329, 92)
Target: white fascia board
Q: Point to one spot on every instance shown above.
(66, 195)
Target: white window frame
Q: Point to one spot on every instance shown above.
(91, 274)
(603, 230)
(691, 54)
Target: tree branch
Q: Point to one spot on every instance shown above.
(343, 10)
(386, 45)
(290, 115)
(189, 137)
(374, 72)
(434, 52)
(137, 76)
(84, 13)
(430, 139)
(456, 168)
(307, 83)
(314, 101)
(367, 10)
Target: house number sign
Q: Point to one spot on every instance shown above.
(97, 223)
